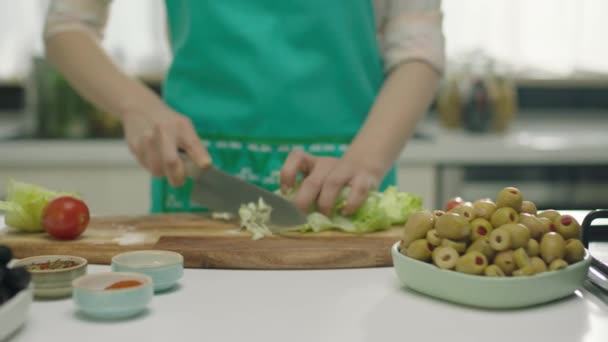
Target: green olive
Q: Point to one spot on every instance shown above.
(483, 245)
(465, 210)
(552, 246)
(471, 263)
(547, 227)
(445, 257)
(417, 225)
(438, 213)
(419, 250)
(500, 239)
(536, 226)
(433, 238)
(484, 208)
(503, 216)
(459, 246)
(480, 228)
(524, 271)
(568, 227)
(557, 264)
(528, 207)
(575, 251)
(539, 264)
(453, 226)
(550, 214)
(493, 271)
(505, 261)
(520, 234)
(521, 258)
(533, 248)
(509, 197)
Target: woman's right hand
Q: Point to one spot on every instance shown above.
(155, 135)
(153, 131)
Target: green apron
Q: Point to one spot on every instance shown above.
(260, 78)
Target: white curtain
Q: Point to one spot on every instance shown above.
(135, 36)
(20, 27)
(533, 38)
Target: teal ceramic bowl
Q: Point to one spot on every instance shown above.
(489, 292)
(164, 267)
(93, 299)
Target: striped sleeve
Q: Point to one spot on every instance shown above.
(90, 16)
(411, 30)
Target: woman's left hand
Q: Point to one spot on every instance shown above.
(324, 179)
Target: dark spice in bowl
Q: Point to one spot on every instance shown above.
(51, 265)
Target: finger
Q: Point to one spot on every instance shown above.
(332, 186)
(360, 188)
(193, 146)
(154, 164)
(172, 165)
(151, 156)
(137, 151)
(311, 187)
(297, 161)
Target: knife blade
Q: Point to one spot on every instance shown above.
(222, 192)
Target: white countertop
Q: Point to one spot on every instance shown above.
(323, 305)
(541, 139)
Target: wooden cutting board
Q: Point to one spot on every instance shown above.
(209, 243)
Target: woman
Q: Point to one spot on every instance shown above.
(266, 90)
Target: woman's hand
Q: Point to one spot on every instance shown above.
(324, 179)
(154, 137)
(403, 100)
(154, 132)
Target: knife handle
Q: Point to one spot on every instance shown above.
(191, 168)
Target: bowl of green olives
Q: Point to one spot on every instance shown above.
(498, 254)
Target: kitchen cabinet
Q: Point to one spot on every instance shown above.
(110, 190)
(420, 179)
(549, 186)
(124, 189)
(434, 167)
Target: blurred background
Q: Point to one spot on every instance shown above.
(524, 103)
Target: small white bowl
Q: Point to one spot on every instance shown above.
(54, 283)
(13, 314)
(93, 299)
(164, 267)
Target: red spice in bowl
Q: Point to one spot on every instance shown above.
(123, 284)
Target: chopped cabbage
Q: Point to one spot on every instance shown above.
(254, 218)
(380, 211)
(25, 204)
(399, 205)
(221, 216)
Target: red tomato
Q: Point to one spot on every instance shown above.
(453, 202)
(65, 217)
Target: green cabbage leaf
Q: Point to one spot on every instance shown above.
(380, 211)
(25, 204)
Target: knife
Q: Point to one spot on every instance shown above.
(222, 192)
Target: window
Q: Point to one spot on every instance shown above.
(135, 36)
(552, 39)
(543, 38)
